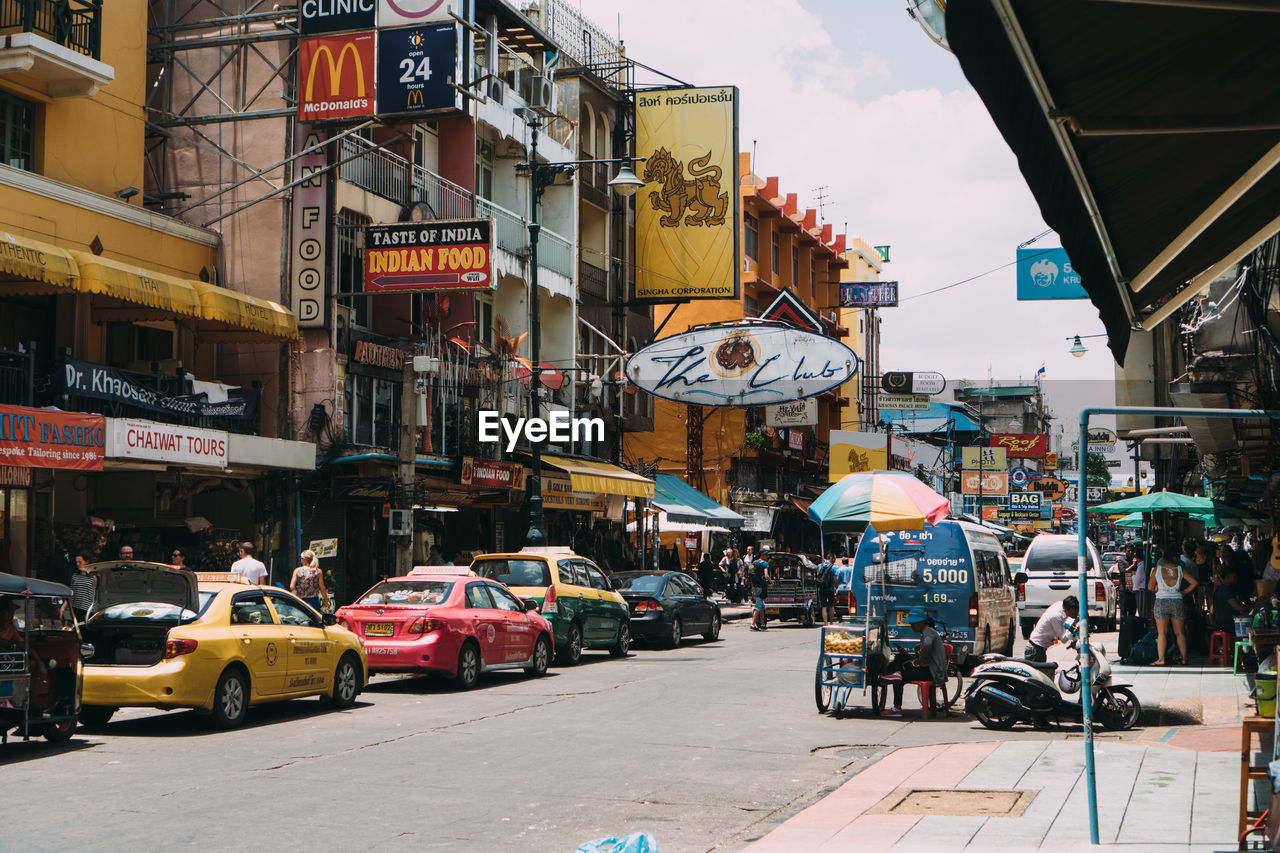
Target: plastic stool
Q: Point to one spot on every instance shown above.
(1218, 648)
(1242, 646)
(926, 689)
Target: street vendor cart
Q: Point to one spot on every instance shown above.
(850, 656)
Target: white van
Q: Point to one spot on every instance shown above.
(1049, 574)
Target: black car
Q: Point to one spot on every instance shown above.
(667, 606)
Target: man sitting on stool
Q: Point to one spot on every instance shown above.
(929, 663)
(1052, 626)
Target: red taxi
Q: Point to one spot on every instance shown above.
(459, 625)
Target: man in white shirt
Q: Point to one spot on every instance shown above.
(1051, 626)
(247, 567)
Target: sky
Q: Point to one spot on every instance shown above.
(852, 95)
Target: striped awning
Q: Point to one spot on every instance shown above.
(230, 313)
(136, 285)
(603, 478)
(33, 261)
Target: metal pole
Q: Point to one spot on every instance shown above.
(537, 534)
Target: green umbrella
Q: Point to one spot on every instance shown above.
(1133, 519)
(1156, 502)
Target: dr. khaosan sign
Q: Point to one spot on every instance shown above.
(423, 256)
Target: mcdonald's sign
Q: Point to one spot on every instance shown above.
(335, 77)
(417, 67)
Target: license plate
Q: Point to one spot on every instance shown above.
(379, 629)
(773, 610)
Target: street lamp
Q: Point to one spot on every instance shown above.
(543, 175)
(1078, 349)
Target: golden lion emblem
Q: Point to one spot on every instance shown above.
(699, 198)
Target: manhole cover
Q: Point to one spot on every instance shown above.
(955, 803)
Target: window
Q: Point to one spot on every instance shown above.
(504, 600)
(484, 170)
(349, 263)
(571, 573)
(291, 613)
(17, 132)
(478, 597)
(795, 267)
(776, 250)
(751, 236)
(373, 410)
(250, 609)
(514, 572)
(133, 342)
(484, 318)
(813, 281)
(595, 579)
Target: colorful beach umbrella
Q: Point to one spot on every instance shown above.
(887, 500)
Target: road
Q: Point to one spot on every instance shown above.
(706, 746)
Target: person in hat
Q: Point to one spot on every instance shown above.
(929, 663)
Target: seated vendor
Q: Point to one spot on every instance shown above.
(10, 637)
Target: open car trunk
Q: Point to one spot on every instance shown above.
(134, 607)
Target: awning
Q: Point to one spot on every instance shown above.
(1149, 135)
(33, 261)
(601, 477)
(232, 313)
(668, 524)
(129, 283)
(684, 503)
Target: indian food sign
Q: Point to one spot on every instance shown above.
(426, 256)
(687, 211)
(742, 364)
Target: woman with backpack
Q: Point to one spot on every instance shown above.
(827, 592)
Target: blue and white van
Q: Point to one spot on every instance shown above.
(955, 570)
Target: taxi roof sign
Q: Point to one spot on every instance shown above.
(221, 577)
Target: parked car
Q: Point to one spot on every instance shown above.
(162, 639)
(1049, 574)
(955, 570)
(666, 607)
(573, 594)
(448, 623)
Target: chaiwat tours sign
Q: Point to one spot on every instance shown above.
(742, 364)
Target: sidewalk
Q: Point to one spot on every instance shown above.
(1172, 787)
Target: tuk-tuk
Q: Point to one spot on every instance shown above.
(40, 659)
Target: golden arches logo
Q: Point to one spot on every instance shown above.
(415, 98)
(335, 69)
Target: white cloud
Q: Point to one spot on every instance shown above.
(923, 170)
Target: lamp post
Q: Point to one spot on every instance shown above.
(1077, 348)
(541, 176)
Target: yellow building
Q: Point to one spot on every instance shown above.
(865, 264)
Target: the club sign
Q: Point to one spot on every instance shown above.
(742, 364)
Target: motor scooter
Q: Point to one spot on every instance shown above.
(1006, 691)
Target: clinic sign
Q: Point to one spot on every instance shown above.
(414, 257)
(742, 364)
(336, 77)
(417, 69)
(148, 441)
(332, 16)
(1047, 274)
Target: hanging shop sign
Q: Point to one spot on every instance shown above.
(378, 355)
(986, 483)
(417, 69)
(1022, 445)
(39, 438)
(869, 294)
(1052, 488)
(1101, 437)
(899, 382)
(1021, 514)
(425, 256)
(799, 413)
(400, 13)
(787, 308)
(902, 402)
(983, 458)
(1047, 274)
(324, 547)
(795, 438)
(1050, 461)
(336, 77)
(491, 474)
(852, 451)
(1026, 500)
(333, 16)
(12, 477)
(745, 364)
(308, 230)
(149, 441)
(557, 493)
(687, 212)
(99, 382)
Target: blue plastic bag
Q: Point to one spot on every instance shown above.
(636, 842)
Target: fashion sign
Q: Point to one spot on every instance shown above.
(39, 438)
(742, 364)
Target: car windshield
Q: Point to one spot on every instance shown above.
(638, 582)
(1052, 555)
(514, 572)
(408, 592)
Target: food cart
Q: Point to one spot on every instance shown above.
(849, 657)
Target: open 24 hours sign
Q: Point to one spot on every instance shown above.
(425, 256)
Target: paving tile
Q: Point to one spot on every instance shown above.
(1159, 809)
(870, 833)
(1006, 765)
(1116, 766)
(1215, 804)
(936, 833)
(1053, 776)
(949, 768)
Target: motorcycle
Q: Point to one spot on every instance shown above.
(1006, 691)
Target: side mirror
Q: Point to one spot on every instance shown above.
(1019, 578)
(329, 619)
(530, 605)
(87, 651)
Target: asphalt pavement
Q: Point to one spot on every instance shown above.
(711, 746)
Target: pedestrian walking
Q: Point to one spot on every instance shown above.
(729, 564)
(827, 592)
(84, 588)
(308, 582)
(759, 578)
(707, 574)
(249, 567)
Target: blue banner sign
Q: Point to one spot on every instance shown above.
(869, 294)
(1048, 274)
(417, 67)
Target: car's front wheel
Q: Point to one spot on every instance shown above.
(230, 699)
(541, 658)
(620, 648)
(346, 682)
(713, 633)
(96, 716)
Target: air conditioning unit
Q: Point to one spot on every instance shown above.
(493, 89)
(542, 95)
(831, 315)
(400, 522)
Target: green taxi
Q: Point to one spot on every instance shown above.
(572, 592)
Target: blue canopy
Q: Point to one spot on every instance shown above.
(684, 503)
(938, 419)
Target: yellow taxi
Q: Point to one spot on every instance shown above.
(169, 638)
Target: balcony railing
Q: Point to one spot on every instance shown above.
(74, 24)
(593, 281)
(17, 378)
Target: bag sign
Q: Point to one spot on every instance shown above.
(1025, 500)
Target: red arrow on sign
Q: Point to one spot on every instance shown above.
(391, 281)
